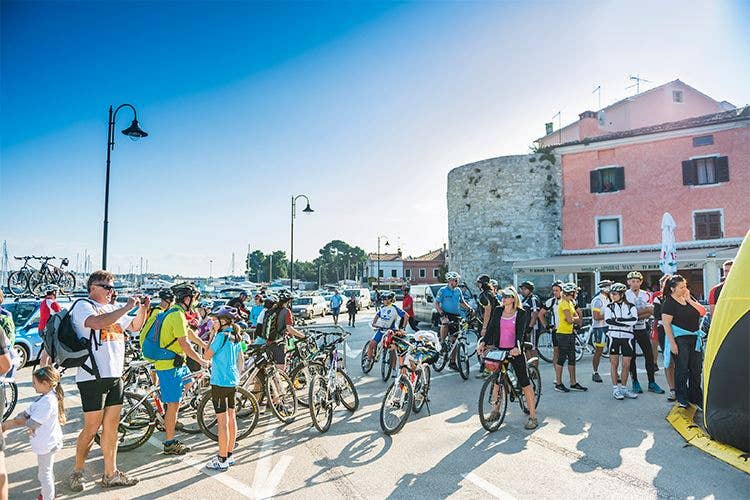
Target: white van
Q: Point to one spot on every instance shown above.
(362, 295)
(424, 302)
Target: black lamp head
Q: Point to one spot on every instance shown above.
(307, 209)
(134, 131)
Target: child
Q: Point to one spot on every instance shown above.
(43, 419)
(224, 351)
(620, 316)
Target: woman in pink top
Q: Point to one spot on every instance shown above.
(506, 331)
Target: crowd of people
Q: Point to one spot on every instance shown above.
(194, 336)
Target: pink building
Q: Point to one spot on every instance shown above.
(425, 269)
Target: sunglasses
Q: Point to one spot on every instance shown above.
(106, 287)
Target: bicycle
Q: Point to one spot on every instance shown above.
(10, 391)
(409, 392)
(18, 281)
(584, 343)
(471, 326)
(246, 409)
(502, 385)
(50, 274)
(330, 389)
(276, 386)
(454, 348)
(307, 361)
(388, 360)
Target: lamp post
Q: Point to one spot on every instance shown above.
(386, 244)
(134, 132)
(306, 210)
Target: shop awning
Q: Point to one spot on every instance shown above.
(693, 258)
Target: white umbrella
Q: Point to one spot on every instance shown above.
(668, 258)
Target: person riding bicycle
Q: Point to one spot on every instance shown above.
(388, 317)
(226, 353)
(173, 372)
(506, 332)
(449, 301)
(599, 325)
(532, 304)
(239, 304)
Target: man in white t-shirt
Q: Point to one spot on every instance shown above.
(641, 300)
(99, 379)
(599, 326)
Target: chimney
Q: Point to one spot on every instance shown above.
(588, 125)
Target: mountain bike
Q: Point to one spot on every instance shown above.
(382, 353)
(584, 344)
(276, 388)
(50, 274)
(330, 389)
(18, 281)
(471, 325)
(503, 385)
(246, 410)
(454, 349)
(306, 361)
(410, 390)
(10, 390)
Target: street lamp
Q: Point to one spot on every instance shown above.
(135, 132)
(306, 210)
(386, 244)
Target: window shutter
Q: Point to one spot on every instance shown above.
(722, 169)
(620, 178)
(701, 226)
(596, 181)
(714, 225)
(689, 173)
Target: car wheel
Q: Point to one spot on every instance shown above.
(21, 354)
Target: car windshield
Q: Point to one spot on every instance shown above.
(21, 311)
(435, 289)
(304, 301)
(351, 293)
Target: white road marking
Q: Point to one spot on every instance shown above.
(488, 487)
(353, 353)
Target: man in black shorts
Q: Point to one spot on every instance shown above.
(532, 305)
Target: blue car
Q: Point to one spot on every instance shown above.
(28, 344)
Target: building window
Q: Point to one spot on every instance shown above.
(677, 96)
(707, 225)
(423, 273)
(701, 171)
(607, 180)
(704, 140)
(394, 273)
(407, 273)
(608, 231)
(436, 273)
(380, 273)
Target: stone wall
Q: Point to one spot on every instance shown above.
(503, 210)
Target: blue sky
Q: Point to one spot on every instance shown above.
(364, 106)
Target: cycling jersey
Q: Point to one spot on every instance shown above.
(531, 304)
(620, 318)
(551, 305)
(563, 326)
(639, 300)
(388, 317)
(47, 308)
(599, 302)
(450, 299)
(487, 299)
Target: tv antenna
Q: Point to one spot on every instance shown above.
(599, 90)
(637, 83)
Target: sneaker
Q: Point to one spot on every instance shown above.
(595, 377)
(683, 405)
(532, 423)
(119, 478)
(629, 394)
(75, 481)
(578, 387)
(617, 394)
(637, 388)
(672, 396)
(216, 464)
(561, 388)
(176, 448)
(231, 461)
(654, 387)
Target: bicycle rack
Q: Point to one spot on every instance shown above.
(333, 330)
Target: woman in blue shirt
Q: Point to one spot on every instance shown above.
(224, 352)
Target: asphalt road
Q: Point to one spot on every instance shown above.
(587, 446)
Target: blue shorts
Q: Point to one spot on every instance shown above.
(379, 335)
(335, 310)
(171, 383)
(599, 336)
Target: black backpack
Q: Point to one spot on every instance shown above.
(63, 345)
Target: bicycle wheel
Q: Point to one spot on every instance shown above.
(67, 282)
(37, 282)
(281, 397)
(347, 391)
(536, 382)
(10, 391)
(462, 360)
(492, 407)
(396, 406)
(420, 392)
(137, 423)
(442, 359)
(472, 340)
(245, 408)
(301, 377)
(387, 364)
(544, 346)
(365, 362)
(321, 403)
(18, 283)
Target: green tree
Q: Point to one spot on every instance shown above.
(254, 263)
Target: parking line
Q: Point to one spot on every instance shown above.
(488, 487)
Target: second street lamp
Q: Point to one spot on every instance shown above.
(306, 210)
(386, 244)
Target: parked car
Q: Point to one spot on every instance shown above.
(28, 343)
(361, 295)
(424, 303)
(309, 307)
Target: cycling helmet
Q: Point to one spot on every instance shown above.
(388, 295)
(226, 312)
(557, 283)
(285, 295)
(452, 275)
(206, 304)
(618, 287)
(51, 289)
(64, 262)
(166, 294)
(507, 292)
(604, 284)
(493, 283)
(271, 299)
(182, 290)
(569, 288)
(635, 275)
(483, 279)
(527, 284)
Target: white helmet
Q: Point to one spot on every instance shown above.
(569, 287)
(452, 275)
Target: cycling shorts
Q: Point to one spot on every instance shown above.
(554, 339)
(222, 398)
(620, 347)
(379, 335)
(100, 393)
(454, 322)
(599, 336)
(566, 344)
(171, 383)
(519, 367)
